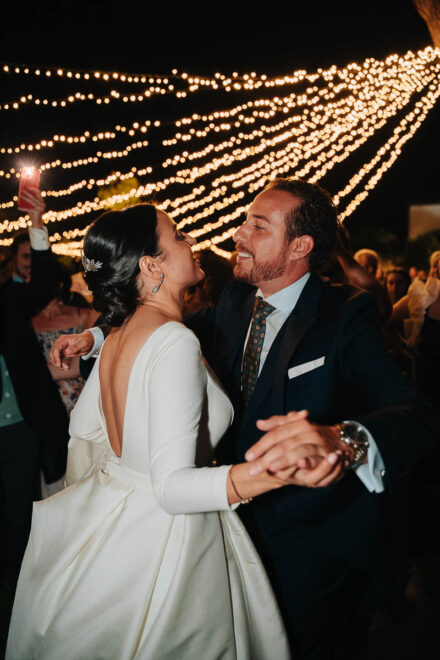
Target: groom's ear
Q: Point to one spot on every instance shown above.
(300, 247)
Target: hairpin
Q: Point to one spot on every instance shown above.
(90, 264)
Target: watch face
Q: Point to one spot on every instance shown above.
(355, 432)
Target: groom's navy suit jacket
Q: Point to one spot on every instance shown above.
(356, 381)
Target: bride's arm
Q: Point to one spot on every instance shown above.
(176, 391)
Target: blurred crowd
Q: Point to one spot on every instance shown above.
(409, 302)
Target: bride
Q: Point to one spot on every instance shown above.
(143, 557)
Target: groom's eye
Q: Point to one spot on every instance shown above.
(180, 236)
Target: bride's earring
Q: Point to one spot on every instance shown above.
(158, 285)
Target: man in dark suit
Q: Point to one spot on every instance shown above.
(33, 422)
(307, 345)
(325, 549)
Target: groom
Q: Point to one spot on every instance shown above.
(282, 340)
(324, 549)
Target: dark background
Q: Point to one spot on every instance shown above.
(210, 37)
(154, 37)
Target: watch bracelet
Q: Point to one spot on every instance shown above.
(360, 449)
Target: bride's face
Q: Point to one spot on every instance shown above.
(179, 264)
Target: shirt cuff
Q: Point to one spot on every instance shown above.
(372, 473)
(98, 340)
(39, 238)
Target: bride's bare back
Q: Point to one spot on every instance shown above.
(117, 359)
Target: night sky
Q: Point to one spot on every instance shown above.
(226, 37)
(152, 37)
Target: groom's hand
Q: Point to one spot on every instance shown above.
(312, 454)
(67, 347)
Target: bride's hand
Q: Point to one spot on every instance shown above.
(320, 472)
(67, 347)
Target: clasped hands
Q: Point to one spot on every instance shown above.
(297, 452)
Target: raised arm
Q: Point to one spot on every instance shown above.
(30, 299)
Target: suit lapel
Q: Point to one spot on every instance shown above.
(272, 379)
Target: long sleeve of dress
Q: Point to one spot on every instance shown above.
(177, 395)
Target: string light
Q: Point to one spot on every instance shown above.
(306, 132)
(86, 136)
(422, 108)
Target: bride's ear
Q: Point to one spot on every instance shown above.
(148, 266)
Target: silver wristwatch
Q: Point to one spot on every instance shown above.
(354, 435)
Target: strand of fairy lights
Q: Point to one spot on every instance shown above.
(108, 154)
(220, 180)
(422, 109)
(115, 95)
(235, 81)
(92, 159)
(394, 75)
(336, 154)
(210, 117)
(428, 102)
(246, 80)
(86, 136)
(50, 142)
(85, 209)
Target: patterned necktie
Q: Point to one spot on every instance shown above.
(254, 346)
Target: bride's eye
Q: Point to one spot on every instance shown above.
(180, 236)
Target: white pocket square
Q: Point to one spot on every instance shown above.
(304, 368)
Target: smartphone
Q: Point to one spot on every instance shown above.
(29, 178)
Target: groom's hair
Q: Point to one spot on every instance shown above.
(314, 214)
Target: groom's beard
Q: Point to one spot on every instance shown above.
(262, 271)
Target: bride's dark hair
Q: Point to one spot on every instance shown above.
(113, 245)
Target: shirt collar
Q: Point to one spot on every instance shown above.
(285, 299)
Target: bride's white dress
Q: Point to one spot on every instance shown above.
(144, 558)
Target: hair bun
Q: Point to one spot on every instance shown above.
(117, 240)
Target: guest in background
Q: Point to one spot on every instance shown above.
(369, 260)
(412, 271)
(426, 297)
(397, 283)
(62, 317)
(33, 422)
(423, 305)
(362, 277)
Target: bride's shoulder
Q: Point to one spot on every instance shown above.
(175, 333)
(171, 345)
